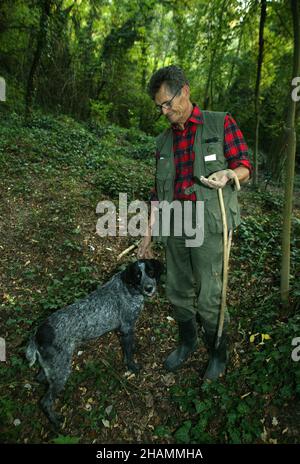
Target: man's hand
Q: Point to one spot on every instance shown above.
(145, 248)
(217, 180)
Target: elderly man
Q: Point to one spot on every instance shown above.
(197, 145)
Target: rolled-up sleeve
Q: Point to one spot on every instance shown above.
(235, 148)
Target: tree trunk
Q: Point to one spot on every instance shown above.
(263, 14)
(290, 166)
(41, 41)
(237, 54)
(207, 104)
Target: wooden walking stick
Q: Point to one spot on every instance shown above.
(226, 252)
(130, 248)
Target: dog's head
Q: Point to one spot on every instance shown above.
(143, 275)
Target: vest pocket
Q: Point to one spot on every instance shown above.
(213, 155)
(213, 215)
(164, 166)
(235, 215)
(164, 188)
(165, 177)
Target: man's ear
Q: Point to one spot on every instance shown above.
(186, 90)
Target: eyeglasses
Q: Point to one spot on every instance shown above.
(167, 104)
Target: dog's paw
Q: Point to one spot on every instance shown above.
(56, 420)
(134, 367)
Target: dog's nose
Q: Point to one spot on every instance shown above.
(148, 289)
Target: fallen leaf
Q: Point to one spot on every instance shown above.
(264, 435)
(129, 375)
(149, 401)
(274, 421)
(252, 337)
(273, 441)
(168, 379)
(108, 409)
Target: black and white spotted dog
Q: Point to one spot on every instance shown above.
(114, 306)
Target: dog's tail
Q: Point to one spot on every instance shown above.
(31, 352)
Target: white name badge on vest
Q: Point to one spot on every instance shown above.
(212, 157)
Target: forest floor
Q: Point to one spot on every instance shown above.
(51, 255)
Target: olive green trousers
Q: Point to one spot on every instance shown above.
(194, 279)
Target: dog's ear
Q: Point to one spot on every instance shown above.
(156, 266)
(132, 274)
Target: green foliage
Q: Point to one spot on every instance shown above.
(64, 142)
(55, 168)
(259, 240)
(265, 377)
(124, 175)
(182, 434)
(70, 287)
(66, 440)
(98, 57)
(99, 111)
(7, 408)
(233, 410)
(161, 431)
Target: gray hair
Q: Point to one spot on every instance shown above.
(172, 76)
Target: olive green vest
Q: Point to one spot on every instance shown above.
(209, 158)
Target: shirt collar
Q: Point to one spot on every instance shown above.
(196, 116)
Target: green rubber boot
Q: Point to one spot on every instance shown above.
(188, 338)
(218, 357)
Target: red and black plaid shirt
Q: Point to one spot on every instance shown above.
(235, 151)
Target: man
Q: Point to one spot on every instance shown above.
(192, 161)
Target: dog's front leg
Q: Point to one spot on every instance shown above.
(47, 403)
(127, 341)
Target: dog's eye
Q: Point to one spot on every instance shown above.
(151, 273)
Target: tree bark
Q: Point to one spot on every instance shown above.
(290, 167)
(207, 104)
(263, 15)
(41, 41)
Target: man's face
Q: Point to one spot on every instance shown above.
(180, 105)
